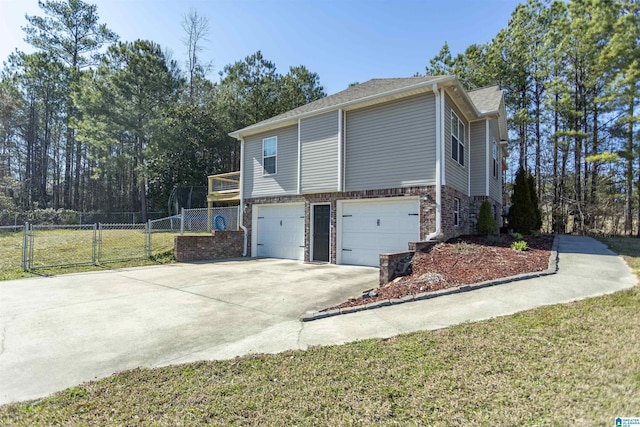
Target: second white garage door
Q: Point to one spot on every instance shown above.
(279, 231)
(372, 227)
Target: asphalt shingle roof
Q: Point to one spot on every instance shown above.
(354, 93)
(486, 99)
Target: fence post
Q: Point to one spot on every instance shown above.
(25, 246)
(97, 231)
(31, 238)
(182, 222)
(147, 243)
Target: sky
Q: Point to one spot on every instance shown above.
(343, 41)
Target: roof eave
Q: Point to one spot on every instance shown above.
(458, 92)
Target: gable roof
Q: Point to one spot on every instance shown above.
(490, 101)
(382, 90)
(487, 99)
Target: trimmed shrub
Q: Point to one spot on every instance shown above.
(486, 222)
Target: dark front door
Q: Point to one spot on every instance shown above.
(321, 221)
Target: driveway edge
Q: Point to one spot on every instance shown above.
(551, 269)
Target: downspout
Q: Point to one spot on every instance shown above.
(488, 154)
(299, 186)
(241, 207)
(340, 150)
(439, 147)
(443, 160)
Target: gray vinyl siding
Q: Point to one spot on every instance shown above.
(478, 161)
(456, 175)
(285, 180)
(391, 145)
(495, 184)
(319, 152)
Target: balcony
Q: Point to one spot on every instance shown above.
(224, 188)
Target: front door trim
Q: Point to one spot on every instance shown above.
(311, 232)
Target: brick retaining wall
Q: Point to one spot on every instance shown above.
(221, 244)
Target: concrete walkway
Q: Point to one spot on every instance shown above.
(51, 337)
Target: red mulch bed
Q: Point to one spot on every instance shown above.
(463, 261)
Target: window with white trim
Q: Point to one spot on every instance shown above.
(269, 155)
(456, 212)
(457, 139)
(495, 159)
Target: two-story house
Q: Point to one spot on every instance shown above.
(371, 168)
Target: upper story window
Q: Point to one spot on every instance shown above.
(495, 159)
(457, 139)
(269, 155)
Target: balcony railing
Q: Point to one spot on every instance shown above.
(224, 187)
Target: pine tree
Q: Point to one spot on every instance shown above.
(535, 203)
(486, 222)
(522, 216)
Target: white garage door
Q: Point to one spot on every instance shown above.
(377, 226)
(280, 231)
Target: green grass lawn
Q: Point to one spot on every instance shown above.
(69, 248)
(569, 364)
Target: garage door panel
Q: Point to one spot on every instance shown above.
(280, 231)
(399, 224)
(377, 226)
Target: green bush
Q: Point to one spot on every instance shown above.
(51, 216)
(486, 223)
(516, 236)
(519, 245)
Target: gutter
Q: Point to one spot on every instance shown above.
(241, 207)
(439, 150)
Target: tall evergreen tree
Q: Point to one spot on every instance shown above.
(535, 203)
(70, 32)
(522, 216)
(123, 110)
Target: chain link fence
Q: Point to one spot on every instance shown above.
(120, 242)
(31, 246)
(192, 221)
(58, 245)
(12, 242)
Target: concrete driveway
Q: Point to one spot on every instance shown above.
(61, 331)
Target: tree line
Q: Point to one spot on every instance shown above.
(91, 123)
(570, 73)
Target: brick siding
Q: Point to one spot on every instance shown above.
(469, 208)
(221, 244)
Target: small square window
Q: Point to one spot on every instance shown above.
(269, 155)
